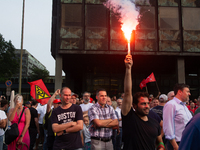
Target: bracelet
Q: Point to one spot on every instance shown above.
(161, 146)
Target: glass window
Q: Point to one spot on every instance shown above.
(191, 18)
(96, 16)
(145, 35)
(190, 3)
(71, 1)
(145, 2)
(71, 15)
(191, 32)
(167, 2)
(96, 32)
(71, 31)
(95, 1)
(117, 38)
(168, 18)
(146, 18)
(169, 33)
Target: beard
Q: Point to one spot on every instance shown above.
(142, 112)
(86, 100)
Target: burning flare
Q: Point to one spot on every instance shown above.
(128, 15)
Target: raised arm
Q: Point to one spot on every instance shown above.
(12, 111)
(53, 97)
(127, 101)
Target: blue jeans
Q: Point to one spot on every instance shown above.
(45, 140)
(119, 140)
(1, 142)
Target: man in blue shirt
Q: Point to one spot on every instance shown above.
(191, 135)
(176, 115)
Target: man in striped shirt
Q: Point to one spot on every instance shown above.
(102, 120)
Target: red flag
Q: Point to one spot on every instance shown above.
(150, 78)
(143, 83)
(39, 91)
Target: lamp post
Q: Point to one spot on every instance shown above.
(22, 37)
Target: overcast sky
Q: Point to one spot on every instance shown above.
(37, 28)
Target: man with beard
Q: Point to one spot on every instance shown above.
(86, 102)
(139, 131)
(176, 115)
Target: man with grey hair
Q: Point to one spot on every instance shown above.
(170, 95)
(86, 102)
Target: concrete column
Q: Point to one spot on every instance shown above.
(181, 70)
(58, 72)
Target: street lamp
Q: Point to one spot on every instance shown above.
(22, 37)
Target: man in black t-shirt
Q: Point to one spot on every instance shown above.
(34, 125)
(67, 121)
(139, 131)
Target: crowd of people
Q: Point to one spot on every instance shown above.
(141, 121)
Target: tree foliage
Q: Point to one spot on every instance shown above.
(39, 74)
(9, 63)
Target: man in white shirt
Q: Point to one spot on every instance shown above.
(3, 120)
(41, 112)
(86, 103)
(176, 115)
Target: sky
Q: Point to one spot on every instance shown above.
(37, 28)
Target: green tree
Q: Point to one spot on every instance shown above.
(39, 74)
(9, 63)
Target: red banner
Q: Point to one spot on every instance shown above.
(143, 83)
(150, 78)
(39, 91)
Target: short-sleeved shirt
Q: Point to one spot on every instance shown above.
(2, 116)
(67, 141)
(119, 114)
(86, 107)
(86, 133)
(34, 114)
(42, 111)
(101, 113)
(159, 110)
(139, 134)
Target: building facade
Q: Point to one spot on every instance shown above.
(28, 63)
(89, 46)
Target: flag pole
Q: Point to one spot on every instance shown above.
(157, 86)
(147, 90)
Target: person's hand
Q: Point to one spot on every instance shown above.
(38, 131)
(73, 124)
(19, 140)
(59, 133)
(118, 131)
(128, 61)
(57, 92)
(18, 104)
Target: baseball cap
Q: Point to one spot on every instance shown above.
(28, 102)
(163, 98)
(74, 94)
(56, 101)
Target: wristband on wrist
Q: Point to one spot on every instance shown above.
(64, 132)
(161, 144)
